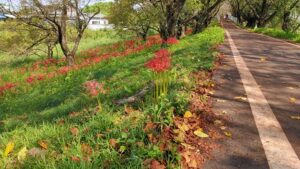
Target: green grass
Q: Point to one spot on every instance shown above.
(90, 39)
(278, 33)
(41, 112)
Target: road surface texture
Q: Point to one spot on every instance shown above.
(257, 91)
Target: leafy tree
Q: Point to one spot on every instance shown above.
(55, 17)
(134, 16)
(237, 8)
(104, 6)
(21, 39)
(168, 15)
(207, 11)
(290, 8)
(263, 10)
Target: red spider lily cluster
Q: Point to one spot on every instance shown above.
(130, 44)
(171, 41)
(161, 62)
(33, 78)
(50, 68)
(64, 70)
(94, 88)
(7, 86)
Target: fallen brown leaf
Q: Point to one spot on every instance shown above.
(113, 142)
(43, 144)
(227, 133)
(74, 131)
(180, 135)
(240, 98)
(263, 59)
(188, 114)
(73, 114)
(183, 127)
(190, 158)
(75, 159)
(86, 149)
(295, 117)
(292, 100)
(221, 100)
(199, 132)
(156, 165)
(149, 126)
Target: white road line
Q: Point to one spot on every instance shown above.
(279, 152)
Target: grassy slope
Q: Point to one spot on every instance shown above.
(91, 39)
(42, 112)
(277, 33)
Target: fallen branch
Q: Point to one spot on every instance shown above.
(136, 96)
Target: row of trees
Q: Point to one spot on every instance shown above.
(260, 13)
(168, 17)
(48, 21)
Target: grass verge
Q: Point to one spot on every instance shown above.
(61, 127)
(278, 33)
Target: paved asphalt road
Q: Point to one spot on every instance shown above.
(275, 66)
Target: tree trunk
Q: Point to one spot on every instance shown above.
(168, 26)
(50, 51)
(163, 32)
(180, 29)
(286, 21)
(239, 17)
(251, 22)
(200, 23)
(172, 19)
(144, 36)
(198, 27)
(50, 47)
(70, 60)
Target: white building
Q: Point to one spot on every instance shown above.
(99, 22)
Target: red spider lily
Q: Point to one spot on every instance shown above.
(171, 41)
(116, 54)
(139, 48)
(94, 56)
(22, 70)
(161, 62)
(96, 59)
(94, 88)
(30, 79)
(41, 77)
(7, 86)
(36, 66)
(64, 70)
(48, 62)
(105, 55)
(162, 53)
(51, 75)
(129, 44)
(93, 52)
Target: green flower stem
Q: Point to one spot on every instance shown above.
(99, 104)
